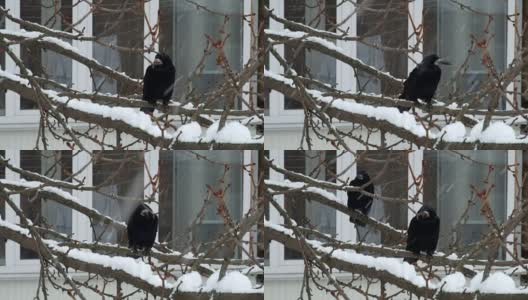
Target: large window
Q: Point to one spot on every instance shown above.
(446, 24)
(452, 182)
(46, 63)
(388, 171)
(46, 213)
(320, 165)
(221, 20)
(193, 185)
(118, 23)
(382, 24)
(312, 64)
(120, 177)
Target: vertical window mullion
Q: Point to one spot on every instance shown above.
(246, 203)
(248, 8)
(511, 195)
(276, 102)
(415, 20)
(13, 103)
(347, 17)
(414, 192)
(151, 170)
(81, 223)
(276, 249)
(510, 53)
(12, 248)
(82, 17)
(151, 11)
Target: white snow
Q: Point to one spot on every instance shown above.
(131, 116)
(300, 34)
(395, 266)
(452, 256)
(453, 282)
(126, 264)
(14, 227)
(232, 132)
(496, 283)
(50, 189)
(497, 132)
(35, 34)
(453, 132)
(189, 282)
(190, 132)
(389, 114)
(297, 185)
(232, 282)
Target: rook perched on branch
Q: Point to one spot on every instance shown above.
(423, 80)
(142, 227)
(423, 231)
(158, 82)
(358, 200)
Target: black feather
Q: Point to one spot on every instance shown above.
(359, 201)
(422, 234)
(422, 82)
(141, 228)
(158, 82)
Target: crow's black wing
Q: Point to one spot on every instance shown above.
(410, 85)
(412, 235)
(149, 85)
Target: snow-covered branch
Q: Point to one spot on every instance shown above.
(389, 270)
(136, 123)
(404, 125)
(128, 270)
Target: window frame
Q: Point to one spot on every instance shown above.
(280, 118)
(15, 267)
(279, 267)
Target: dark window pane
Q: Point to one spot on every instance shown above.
(445, 25)
(382, 23)
(186, 183)
(312, 64)
(177, 18)
(311, 214)
(121, 175)
(46, 213)
(121, 25)
(46, 63)
(389, 172)
(449, 178)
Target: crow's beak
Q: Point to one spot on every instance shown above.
(157, 62)
(443, 62)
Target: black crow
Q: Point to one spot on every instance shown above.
(423, 81)
(423, 231)
(141, 228)
(158, 82)
(359, 201)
